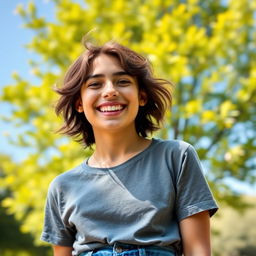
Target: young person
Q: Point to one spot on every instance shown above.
(134, 196)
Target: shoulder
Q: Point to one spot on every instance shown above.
(65, 180)
(175, 152)
(172, 146)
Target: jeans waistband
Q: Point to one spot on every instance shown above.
(122, 247)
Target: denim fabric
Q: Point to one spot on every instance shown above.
(129, 250)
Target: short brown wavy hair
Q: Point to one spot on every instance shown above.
(149, 117)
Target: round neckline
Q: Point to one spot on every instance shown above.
(131, 160)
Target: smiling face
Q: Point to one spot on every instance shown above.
(110, 98)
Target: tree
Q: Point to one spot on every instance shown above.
(12, 241)
(207, 48)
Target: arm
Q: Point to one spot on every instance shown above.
(62, 250)
(195, 233)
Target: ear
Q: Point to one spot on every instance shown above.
(143, 98)
(79, 106)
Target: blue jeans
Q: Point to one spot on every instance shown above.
(129, 250)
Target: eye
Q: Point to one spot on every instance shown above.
(123, 81)
(94, 84)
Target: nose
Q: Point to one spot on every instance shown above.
(109, 90)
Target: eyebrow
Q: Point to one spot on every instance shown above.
(120, 73)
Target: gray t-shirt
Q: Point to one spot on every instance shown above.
(138, 202)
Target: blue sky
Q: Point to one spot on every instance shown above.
(14, 58)
(13, 55)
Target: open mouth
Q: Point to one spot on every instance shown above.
(113, 108)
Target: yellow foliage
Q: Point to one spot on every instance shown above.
(20, 10)
(248, 90)
(193, 107)
(234, 154)
(8, 202)
(225, 108)
(208, 116)
(9, 180)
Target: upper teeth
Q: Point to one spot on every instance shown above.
(110, 108)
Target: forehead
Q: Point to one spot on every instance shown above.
(106, 64)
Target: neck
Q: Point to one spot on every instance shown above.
(114, 149)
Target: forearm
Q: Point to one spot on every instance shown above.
(198, 252)
(62, 250)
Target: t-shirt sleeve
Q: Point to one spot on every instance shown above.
(55, 230)
(193, 194)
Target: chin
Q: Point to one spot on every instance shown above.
(114, 126)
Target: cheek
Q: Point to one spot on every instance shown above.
(88, 98)
(131, 93)
(87, 107)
